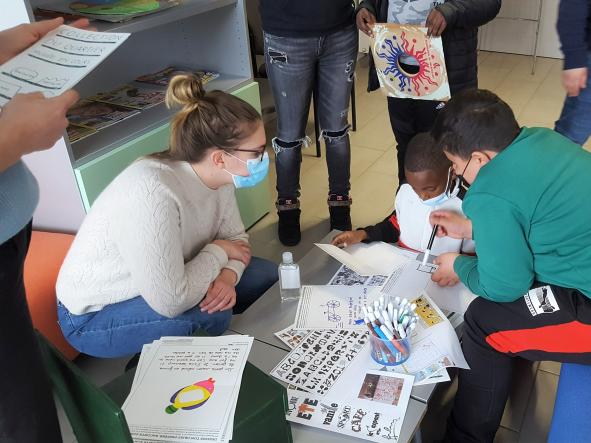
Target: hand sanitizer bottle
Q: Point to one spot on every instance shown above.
(289, 278)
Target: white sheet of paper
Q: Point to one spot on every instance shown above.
(173, 364)
(380, 256)
(146, 356)
(320, 359)
(332, 307)
(411, 279)
(347, 259)
(373, 408)
(57, 62)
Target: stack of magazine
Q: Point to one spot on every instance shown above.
(186, 389)
(107, 108)
(113, 11)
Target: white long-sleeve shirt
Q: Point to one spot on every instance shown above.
(150, 233)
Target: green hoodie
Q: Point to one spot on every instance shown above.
(530, 208)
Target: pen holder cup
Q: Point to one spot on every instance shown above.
(389, 352)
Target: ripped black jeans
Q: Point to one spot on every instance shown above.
(295, 66)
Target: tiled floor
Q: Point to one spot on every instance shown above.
(536, 100)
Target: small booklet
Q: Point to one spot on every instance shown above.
(162, 78)
(131, 96)
(97, 115)
(76, 133)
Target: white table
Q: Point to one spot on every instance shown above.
(269, 315)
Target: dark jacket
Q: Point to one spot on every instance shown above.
(460, 38)
(306, 18)
(574, 30)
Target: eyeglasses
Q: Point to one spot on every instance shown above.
(261, 152)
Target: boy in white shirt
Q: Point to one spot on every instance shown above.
(430, 186)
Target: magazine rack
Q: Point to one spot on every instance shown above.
(201, 34)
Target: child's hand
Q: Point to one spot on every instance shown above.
(365, 21)
(349, 238)
(435, 23)
(445, 274)
(221, 295)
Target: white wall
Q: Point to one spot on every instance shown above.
(60, 205)
(518, 36)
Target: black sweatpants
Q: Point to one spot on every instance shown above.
(27, 409)
(408, 117)
(549, 323)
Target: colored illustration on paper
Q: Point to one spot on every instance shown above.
(192, 396)
(383, 389)
(410, 64)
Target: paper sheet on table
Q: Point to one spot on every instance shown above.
(434, 342)
(57, 62)
(347, 259)
(146, 356)
(348, 277)
(380, 256)
(333, 307)
(143, 363)
(320, 359)
(372, 408)
(173, 363)
(410, 280)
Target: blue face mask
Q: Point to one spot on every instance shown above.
(257, 171)
(451, 191)
(436, 201)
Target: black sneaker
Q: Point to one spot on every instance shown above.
(288, 228)
(339, 207)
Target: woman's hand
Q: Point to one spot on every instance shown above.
(349, 238)
(445, 274)
(221, 295)
(365, 21)
(15, 40)
(451, 224)
(236, 250)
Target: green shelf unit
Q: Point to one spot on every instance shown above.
(199, 34)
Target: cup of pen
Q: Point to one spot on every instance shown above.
(389, 352)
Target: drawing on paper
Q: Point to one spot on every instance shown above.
(331, 311)
(428, 268)
(381, 388)
(192, 396)
(426, 312)
(348, 277)
(409, 63)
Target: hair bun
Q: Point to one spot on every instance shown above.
(184, 90)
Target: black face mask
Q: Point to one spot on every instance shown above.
(463, 181)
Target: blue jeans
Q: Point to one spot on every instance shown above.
(295, 66)
(575, 119)
(123, 328)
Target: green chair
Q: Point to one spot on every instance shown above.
(93, 415)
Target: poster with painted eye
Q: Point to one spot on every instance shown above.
(320, 359)
(409, 64)
(373, 408)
